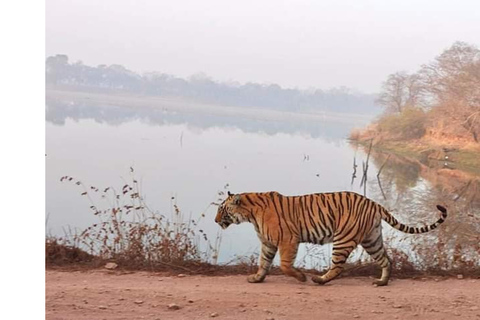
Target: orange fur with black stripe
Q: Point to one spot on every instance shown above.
(283, 222)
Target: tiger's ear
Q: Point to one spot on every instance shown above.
(236, 199)
(229, 193)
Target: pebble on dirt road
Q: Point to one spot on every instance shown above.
(173, 306)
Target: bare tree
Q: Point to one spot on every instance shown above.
(453, 82)
(401, 90)
(454, 75)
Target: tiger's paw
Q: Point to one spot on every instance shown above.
(319, 280)
(380, 282)
(301, 277)
(255, 278)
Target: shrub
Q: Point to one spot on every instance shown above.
(58, 252)
(133, 235)
(407, 125)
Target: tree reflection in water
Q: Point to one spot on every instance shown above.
(410, 189)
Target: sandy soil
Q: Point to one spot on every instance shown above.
(140, 295)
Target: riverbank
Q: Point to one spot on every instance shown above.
(467, 160)
(446, 152)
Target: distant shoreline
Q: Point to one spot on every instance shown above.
(174, 104)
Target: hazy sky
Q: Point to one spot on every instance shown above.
(322, 44)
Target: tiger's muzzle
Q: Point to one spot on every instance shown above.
(225, 221)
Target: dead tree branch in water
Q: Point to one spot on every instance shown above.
(354, 174)
(365, 170)
(378, 177)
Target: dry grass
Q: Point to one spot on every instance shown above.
(134, 236)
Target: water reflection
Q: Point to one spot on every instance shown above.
(265, 121)
(410, 189)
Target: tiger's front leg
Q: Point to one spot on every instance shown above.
(288, 253)
(266, 259)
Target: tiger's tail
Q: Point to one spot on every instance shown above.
(404, 228)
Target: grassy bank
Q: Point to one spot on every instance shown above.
(423, 136)
(432, 154)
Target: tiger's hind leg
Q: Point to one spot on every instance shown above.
(373, 244)
(341, 251)
(288, 253)
(266, 258)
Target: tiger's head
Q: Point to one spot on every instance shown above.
(231, 211)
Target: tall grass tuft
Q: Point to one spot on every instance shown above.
(135, 236)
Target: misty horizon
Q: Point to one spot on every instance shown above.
(202, 76)
(63, 74)
(299, 44)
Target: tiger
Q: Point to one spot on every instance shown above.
(283, 222)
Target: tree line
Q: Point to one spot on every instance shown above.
(61, 72)
(444, 93)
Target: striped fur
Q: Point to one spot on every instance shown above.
(283, 222)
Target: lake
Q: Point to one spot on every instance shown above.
(185, 157)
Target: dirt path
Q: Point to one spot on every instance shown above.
(141, 295)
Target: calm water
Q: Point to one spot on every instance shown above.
(191, 157)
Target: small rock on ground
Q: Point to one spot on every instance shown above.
(173, 306)
(111, 266)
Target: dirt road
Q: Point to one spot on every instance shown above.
(140, 295)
